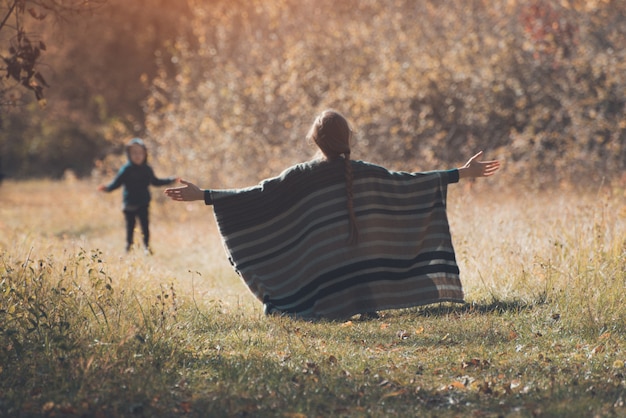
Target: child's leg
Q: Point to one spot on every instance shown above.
(130, 227)
(142, 213)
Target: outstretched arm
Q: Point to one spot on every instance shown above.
(186, 193)
(475, 168)
(116, 182)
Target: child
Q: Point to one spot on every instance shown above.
(136, 175)
(335, 237)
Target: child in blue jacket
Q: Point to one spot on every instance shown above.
(136, 175)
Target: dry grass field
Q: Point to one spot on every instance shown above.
(88, 330)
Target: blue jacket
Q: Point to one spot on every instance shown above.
(136, 179)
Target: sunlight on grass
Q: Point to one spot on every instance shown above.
(86, 329)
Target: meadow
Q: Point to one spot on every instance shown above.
(88, 330)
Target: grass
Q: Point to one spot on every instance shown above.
(87, 330)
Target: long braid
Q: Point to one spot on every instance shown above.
(354, 230)
(331, 132)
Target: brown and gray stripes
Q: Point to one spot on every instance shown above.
(288, 239)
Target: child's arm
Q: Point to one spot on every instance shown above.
(115, 183)
(474, 168)
(156, 181)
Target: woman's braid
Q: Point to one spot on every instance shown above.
(331, 132)
(354, 230)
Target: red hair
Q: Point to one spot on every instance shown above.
(332, 134)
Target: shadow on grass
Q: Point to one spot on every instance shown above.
(444, 309)
(496, 306)
(478, 308)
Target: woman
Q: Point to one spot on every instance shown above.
(334, 237)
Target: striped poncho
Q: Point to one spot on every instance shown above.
(288, 238)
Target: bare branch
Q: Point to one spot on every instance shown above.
(9, 13)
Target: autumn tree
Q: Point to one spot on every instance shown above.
(536, 83)
(227, 89)
(22, 45)
(98, 66)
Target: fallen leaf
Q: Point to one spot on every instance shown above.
(456, 385)
(47, 407)
(598, 349)
(394, 394)
(485, 388)
(67, 410)
(185, 407)
(474, 363)
(403, 335)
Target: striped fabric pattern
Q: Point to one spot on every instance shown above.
(288, 239)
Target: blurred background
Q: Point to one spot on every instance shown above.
(224, 91)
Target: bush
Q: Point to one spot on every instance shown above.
(537, 84)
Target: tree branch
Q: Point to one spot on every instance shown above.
(9, 13)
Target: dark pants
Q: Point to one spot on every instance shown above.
(131, 215)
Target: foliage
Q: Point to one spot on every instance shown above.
(21, 57)
(87, 331)
(97, 65)
(55, 145)
(229, 88)
(92, 348)
(70, 327)
(537, 84)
